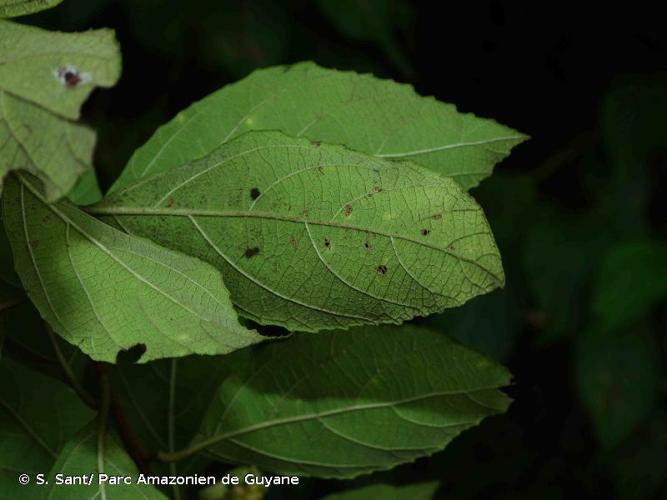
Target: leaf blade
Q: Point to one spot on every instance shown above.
(37, 416)
(15, 8)
(106, 291)
(362, 420)
(44, 78)
(311, 236)
(369, 115)
(80, 457)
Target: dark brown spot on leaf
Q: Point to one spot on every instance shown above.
(382, 269)
(367, 245)
(293, 242)
(327, 242)
(254, 193)
(316, 143)
(425, 232)
(170, 202)
(347, 210)
(251, 252)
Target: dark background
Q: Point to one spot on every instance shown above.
(579, 211)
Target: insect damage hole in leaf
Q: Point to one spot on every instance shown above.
(131, 355)
(71, 77)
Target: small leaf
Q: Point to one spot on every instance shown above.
(311, 236)
(618, 377)
(423, 491)
(105, 291)
(413, 393)
(44, 79)
(37, 416)
(366, 114)
(630, 282)
(15, 8)
(81, 457)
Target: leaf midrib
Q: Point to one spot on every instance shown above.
(187, 212)
(348, 409)
(100, 245)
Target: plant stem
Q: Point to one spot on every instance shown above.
(133, 444)
(103, 416)
(170, 422)
(69, 374)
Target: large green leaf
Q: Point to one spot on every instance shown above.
(44, 79)
(15, 8)
(106, 291)
(348, 403)
(37, 416)
(312, 236)
(422, 491)
(82, 456)
(377, 117)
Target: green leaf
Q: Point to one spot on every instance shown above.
(159, 401)
(105, 291)
(27, 341)
(15, 8)
(312, 236)
(7, 272)
(87, 190)
(37, 416)
(633, 116)
(162, 408)
(630, 282)
(559, 253)
(488, 324)
(422, 491)
(618, 377)
(370, 399)
(44, 79)
(81, 457)
(366, 114)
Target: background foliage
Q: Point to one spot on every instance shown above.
(578, 213)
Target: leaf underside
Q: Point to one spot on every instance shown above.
(15, 8)
(44, 78)
(106, 291)
(37, 416)
(366, 114)
(311, 236)
(416, 391)
(80, 457)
